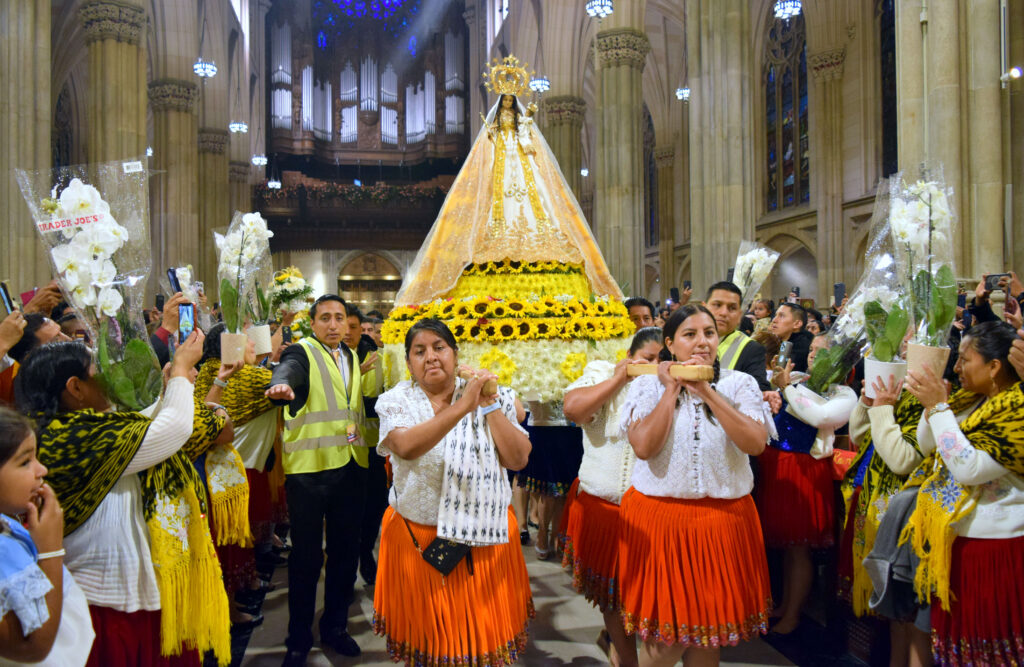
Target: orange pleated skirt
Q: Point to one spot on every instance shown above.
(476, 620)
(692, 571)
(591, 538)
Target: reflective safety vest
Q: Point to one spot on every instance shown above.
(328, 431)
(730, 347)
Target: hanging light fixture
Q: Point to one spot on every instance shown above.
(599, 9)
(787, 9)
(238, 126)
(260, 160)
(149, 151)
(584, 172)
(683, 93)
(204, 68)
(273, 184)
(540, 85)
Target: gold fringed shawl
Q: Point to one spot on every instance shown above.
(460, 235)
(996, 428)
(244, 398)
(86, 452)
(880, 483)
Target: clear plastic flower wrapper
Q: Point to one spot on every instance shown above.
(753, 264)
(93, 220)
(243, 258)
(922, 222)
(290, 293)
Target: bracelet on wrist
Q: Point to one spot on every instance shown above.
(220, 383)
(59, 553)
(488, 409)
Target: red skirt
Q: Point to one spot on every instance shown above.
(591, 529)
(131, 639)
(260, 510)
(692, 571)
(985, 624)
(794, 499)
(462, 619)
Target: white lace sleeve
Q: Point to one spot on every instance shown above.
(394, 408)
(644, 394)
(744, 393)
(24, 593)
(507, 400)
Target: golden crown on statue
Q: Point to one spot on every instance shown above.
(507, 77)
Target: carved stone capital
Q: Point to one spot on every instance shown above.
(212, 140)
(564, 109)
(108, 19)
(173, 95)
(238, 172)
(624, 46)
(664, 156)
(827, 65)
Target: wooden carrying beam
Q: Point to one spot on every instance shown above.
(692, 373)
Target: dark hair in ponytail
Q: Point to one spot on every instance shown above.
(14, 428)
(645, 336)
(42, 377)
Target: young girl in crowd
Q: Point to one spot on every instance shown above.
(44, 618)
(692, 568)
(591, 518)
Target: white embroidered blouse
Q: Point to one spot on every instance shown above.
(698, 459)
(608, 458)
(419, 483)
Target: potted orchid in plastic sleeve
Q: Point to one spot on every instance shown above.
(753, 264)
(93, 221)
(258, 304)
(240, 253)
(922, 222)
(881, 304)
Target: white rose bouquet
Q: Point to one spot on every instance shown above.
(98, 243)
(290, 293)
(243, 250)
(753, 264)
(921, 220)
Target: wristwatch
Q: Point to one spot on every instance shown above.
(937, 408)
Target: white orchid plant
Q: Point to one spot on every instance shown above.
(101, 257)
(880, 306)
(921, 220)
(753, 264)
(243, 250)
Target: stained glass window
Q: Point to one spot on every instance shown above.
(887, 42)
(787, 168)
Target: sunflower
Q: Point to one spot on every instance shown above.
(404, 313)
(524, 330)
(543, 328)
(458, 329)
(600, 307)
(498, 310)
(446, 310)
(506, 330)
(463, 310)
(516, 306)
(478, 307)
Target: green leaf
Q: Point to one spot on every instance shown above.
(943, 306)
(921, 292)
(229, 305)
(895, 329)
(874, 319)
(882, 350)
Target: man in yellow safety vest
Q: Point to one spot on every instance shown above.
(736, 350)
(325, 463)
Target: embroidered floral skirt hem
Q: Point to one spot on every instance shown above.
(692, 572)
(477, 620)
(985, 624)
(591, 528)
(124, 638)
(794, 499)
(554, 460)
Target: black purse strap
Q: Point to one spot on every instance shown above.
(415, 543)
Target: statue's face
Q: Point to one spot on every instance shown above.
(506, 101)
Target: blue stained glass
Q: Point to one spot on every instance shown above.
(321, 40)
(412, 45)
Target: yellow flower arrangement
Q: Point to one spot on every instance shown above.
(573, 365)
(621, 354)
(500, 364)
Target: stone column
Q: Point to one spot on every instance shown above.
(619, 196)
(563, 124)
(826, 68)
(174, 192)
(25, 123)
(476, 31)
(664, 161)
(910, 105)
(240, 190)
(214, 198)
(1015, 136)
(116, 96)
(721, 134)
(985, 199)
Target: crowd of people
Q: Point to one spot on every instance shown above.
(143, 538)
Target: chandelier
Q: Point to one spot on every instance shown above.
(540, 84)
(683, 94)
(259, 160)
(787, 9)
(273, 184)
(238, 126)
(599, 9)
(204, 68)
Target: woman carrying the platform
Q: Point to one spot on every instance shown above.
(449, 445)
(692, 569)
(968, 525)
(591, 518)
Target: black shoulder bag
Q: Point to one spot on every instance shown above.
(442, 554)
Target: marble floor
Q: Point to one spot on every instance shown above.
(563, 633)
